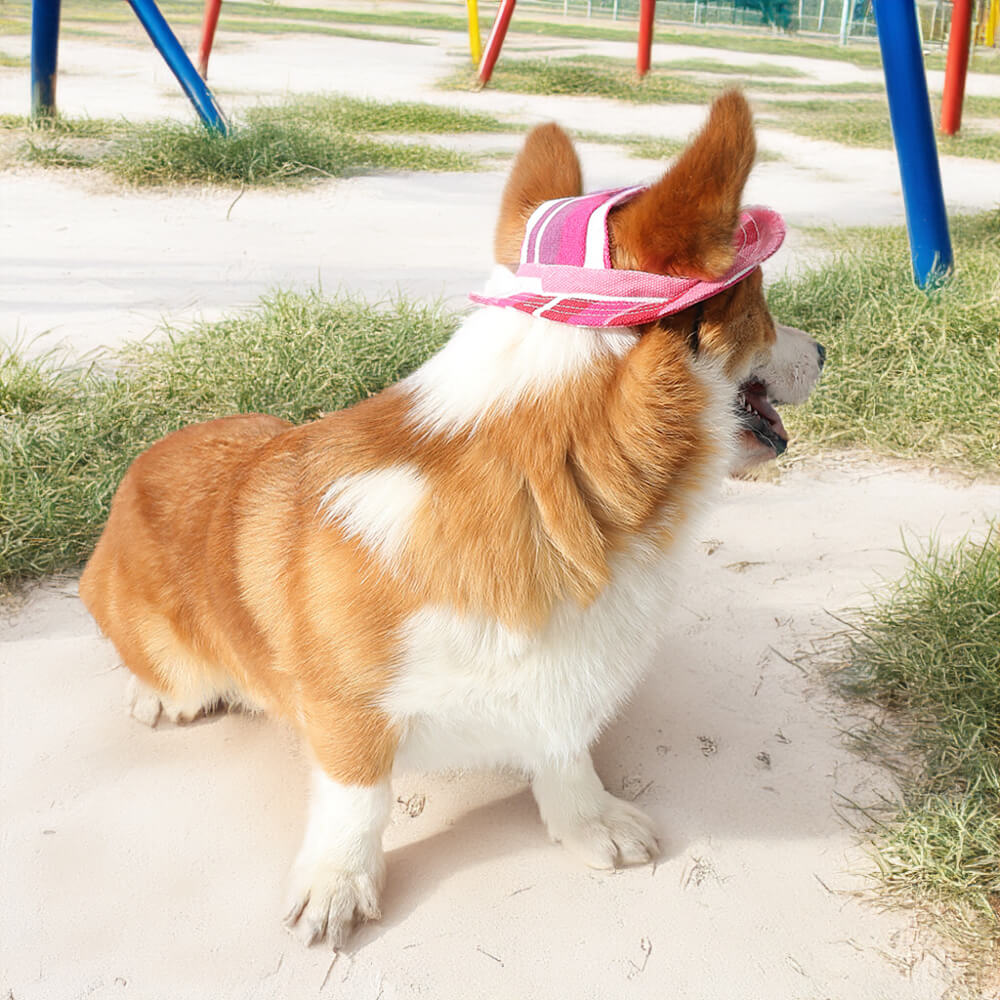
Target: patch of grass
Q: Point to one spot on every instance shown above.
(588, 77)
(428, 20)
(263, 153)
(20, 11)
(756, 77)
(306, 138)
(857, 87)
(75, 128)
(352, 114)
(980, 61)
(651, 147)
(301, 139)
(979, 145)
(656, 147)
(930, 652)
(716, 66)
(851, 87)
(276, 27)
(909, 373)
(605, 76)
(75, 31)
(67, 436)
(975, 105)
(51, 155)
(866, 123)
(853, 123)
(14, 62)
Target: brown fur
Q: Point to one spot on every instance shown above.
(216, 573)
(547, 167)
(684, 224)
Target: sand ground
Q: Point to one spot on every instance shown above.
(150, 864)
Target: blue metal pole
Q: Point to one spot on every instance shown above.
(913, 132)
(187, 76)
(44, 56)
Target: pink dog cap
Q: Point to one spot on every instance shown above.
(566, 275)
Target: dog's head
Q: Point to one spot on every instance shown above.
(688, 226)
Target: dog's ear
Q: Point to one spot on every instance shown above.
(546, 168)
(685, 223)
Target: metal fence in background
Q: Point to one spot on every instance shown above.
(844, 19)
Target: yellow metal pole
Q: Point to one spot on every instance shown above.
(475, 42)
(991, 23)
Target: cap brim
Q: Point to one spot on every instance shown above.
(583, 297)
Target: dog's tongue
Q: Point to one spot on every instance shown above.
(757, 398)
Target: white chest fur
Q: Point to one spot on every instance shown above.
(470, 693)
(474, 693)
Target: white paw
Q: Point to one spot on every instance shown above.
(326, 902)
(340, 868)
(142, 702)
(146, 705)
(615, 835)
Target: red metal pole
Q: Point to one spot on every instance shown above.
(646, 10)
(208, 35)
(958, 63)
(493, 44)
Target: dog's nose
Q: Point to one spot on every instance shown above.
(821, 351)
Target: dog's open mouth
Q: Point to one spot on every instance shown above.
(758, 415)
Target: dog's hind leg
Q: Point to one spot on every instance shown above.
(169, 680)
(147, 705)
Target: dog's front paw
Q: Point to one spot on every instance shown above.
(577, 810)
(614, 835)
(326, 902)
(340, 868)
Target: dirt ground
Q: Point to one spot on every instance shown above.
(151, 864)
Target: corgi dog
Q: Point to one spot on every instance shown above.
(470, 569)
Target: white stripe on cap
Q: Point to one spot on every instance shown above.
(597, 254)
(540, 219)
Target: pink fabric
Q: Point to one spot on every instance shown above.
(565, 272)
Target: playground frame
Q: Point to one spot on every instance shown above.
(902, 60)
(913, 134)
(45, 16)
